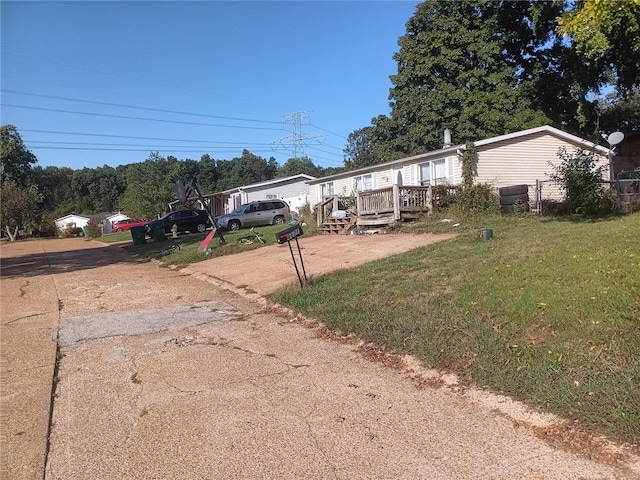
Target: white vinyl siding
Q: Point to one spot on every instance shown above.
(343, 187)
(279, 190)
(521, 160)
(384, 178)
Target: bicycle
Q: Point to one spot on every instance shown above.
(257, 235)
(171, 249)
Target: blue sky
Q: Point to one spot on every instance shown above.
(204, 77)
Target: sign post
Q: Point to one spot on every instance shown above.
(292, 233)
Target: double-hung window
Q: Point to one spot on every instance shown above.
(433, 173)
(326, 189)
(362, 183)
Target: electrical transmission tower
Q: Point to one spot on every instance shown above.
(297, 140)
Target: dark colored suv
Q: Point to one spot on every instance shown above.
(186, 220)
(254, 214)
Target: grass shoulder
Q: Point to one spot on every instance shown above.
(547, 312)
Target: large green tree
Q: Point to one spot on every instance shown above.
(481, 68)
(361, 149)
(150, 187)
(16, 159)
(19, 208)
(621, 113)
(19, 196)
(466, 65)
(607, 32)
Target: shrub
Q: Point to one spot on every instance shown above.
(308, 215)
(93, 229)
(48, 228)
(71, 231)
(581, 179)
(475, 199)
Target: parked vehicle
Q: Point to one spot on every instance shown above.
(126, 224)
(186, 220)
(255, 214)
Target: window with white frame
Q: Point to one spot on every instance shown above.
(433, 173)
(362, 183)
(326, 189)
(425, 173)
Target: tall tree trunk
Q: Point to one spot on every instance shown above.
(12, 236)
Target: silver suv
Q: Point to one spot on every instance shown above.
(254, 214)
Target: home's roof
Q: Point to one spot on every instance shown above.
(268, 183)
(457, 149)
(545, 128)
(97, 217)
(443, 152)
(71, 215)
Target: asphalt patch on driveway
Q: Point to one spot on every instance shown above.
(144, 321)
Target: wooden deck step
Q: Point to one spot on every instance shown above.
(338, 226)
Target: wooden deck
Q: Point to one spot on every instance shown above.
(385, 206)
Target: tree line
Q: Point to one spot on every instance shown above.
(33, 196)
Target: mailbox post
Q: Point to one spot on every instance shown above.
(292, 233)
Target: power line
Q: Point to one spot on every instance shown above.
(94, 102)
(141, 80)
(208, 142)
(327, 131)
(187, 149)
(228, 144)
(122, 136)
(180, 149)
(137, 118)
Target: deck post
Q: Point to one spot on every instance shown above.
(358, 203)
(396, 202)
(430, 200)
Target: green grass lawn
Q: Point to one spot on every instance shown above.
(547, 312)
(189, 243)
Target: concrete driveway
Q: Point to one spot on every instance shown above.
(189, 373)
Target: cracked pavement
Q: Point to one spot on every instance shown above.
(163, 375)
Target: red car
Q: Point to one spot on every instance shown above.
(126, 224)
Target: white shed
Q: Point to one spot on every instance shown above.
(77, 221)
(107, 223)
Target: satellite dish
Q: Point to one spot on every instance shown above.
(615, 138)
(182, 193)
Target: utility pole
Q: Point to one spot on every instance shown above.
(297, 140)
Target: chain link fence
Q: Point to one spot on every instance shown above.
(627, 186)
(550, 198)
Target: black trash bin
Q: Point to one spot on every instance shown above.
(138, 234)
(157, 231)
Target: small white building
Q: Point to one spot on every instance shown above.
(76, 221)
(107, 223)
(294, 190)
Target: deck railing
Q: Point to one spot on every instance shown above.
(395, 199)
(324, 209)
